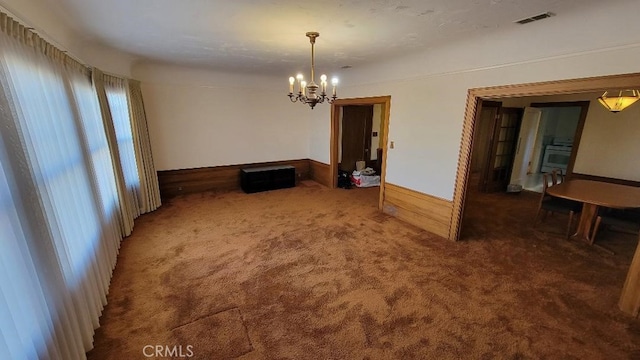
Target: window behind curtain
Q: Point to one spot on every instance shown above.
(59, 239)
(98, 146)
(119, 106)
(54, 147)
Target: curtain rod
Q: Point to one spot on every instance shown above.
(43, 34)
(46, 37)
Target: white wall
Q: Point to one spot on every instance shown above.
(320, 134)
(106, 59)
(199, 118)
(610, 145)
(428, 90)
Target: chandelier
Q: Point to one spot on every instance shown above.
(618, 103)
(307, 92)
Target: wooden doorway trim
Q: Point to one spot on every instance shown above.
(560, 87)
(385, 101)
(630, 298)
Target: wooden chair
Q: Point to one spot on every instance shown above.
(552, 204)
(627, 220)
(556, 176)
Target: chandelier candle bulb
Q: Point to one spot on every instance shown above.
(299, 77)
(334, 82)
(291, 81)
(303, 87)
(323, 83)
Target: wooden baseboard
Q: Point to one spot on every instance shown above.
(424, 211)
(217, 178)
(320, 173)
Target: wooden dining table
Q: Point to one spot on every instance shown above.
(593, 195)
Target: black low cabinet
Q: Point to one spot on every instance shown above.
(267, 178)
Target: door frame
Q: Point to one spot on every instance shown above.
(584, 105)
(558, 87)
(336, 106)
(629, 301)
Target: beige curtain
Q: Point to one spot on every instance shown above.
(75, 170)
(150, 190)
(59, 234)
(127, 211)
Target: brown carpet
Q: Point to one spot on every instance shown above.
(314, 273)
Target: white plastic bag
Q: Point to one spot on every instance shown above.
(360, 180)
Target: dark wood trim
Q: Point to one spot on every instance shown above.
(577, 176)
(216, 178)
(320, 172)
(576, 139)
(560, 104)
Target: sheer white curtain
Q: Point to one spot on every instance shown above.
(125, 181)
(58, 202)
(126, 128)
(116, 90)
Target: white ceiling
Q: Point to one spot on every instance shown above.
(269, 36)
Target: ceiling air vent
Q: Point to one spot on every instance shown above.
(534, 18)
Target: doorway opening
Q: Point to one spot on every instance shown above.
(557, 140)
(514, 146)
(508, 92)
(359, 140)
(630, 297)
(354, 138)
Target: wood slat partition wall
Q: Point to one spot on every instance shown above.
(217, 178)
(424, 211)
(320, 173)
(630, 299)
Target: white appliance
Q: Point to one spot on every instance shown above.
(525, 148)
(557, 155)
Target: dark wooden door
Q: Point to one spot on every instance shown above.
(503, 145)
(356, 135)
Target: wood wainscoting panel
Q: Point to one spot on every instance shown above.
(216, 178)
(320, 172)
(424, 211)
(603, 179)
